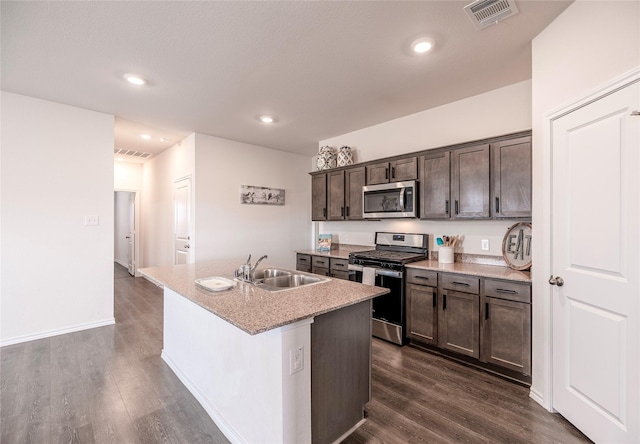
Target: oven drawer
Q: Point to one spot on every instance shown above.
(422, 277)
(512, 291)
(320, 261)
(457, 282)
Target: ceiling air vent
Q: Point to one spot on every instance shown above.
(485, 13)
(125, 152)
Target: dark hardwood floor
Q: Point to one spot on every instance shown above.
(109, 384)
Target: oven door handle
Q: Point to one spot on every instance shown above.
(388, 273)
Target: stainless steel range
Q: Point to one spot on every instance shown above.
(384, 267)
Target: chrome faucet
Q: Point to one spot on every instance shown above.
(246, 272)
(253, 270)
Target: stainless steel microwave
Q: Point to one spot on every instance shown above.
(390, 200)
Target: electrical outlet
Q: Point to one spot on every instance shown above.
(92, 220)
(485, 244)
(296, 360)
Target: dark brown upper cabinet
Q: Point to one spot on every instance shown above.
(335, 195)
(354, 181)
(511, 178)
(319, 197)
(470, 180)
(435, 184)
(393, 171)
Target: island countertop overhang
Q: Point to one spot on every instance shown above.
(252, 309)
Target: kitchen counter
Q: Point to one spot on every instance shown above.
(252, 309)
(487, 271)
(341, 251)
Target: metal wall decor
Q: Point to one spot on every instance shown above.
(516, 246)
(261, 195)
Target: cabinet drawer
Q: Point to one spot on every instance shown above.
(303, 259)
(339, 274)
(512, 291)
(320, 261)
(461, 283)
(422, 277)
(320, 270)
(339, 264)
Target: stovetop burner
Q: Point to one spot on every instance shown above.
(389, 256)
(393, 250)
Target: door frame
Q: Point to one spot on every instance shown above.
(542, 323)
(137, 251)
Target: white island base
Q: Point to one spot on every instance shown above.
(246, 384)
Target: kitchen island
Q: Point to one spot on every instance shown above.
(291, 366)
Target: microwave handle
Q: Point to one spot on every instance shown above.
(403, 192)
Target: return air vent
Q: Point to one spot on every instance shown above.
(124, 152)
(485, 13)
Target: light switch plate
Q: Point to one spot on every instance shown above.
(485, 244)
(92, 220)
(296, 360)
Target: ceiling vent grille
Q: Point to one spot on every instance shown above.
(485, 13)
(124, 152)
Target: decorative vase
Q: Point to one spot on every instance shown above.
(345, 156)
(326, 159)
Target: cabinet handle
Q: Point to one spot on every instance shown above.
(500, 290)
(497, 204)
(386, 173)
(457, 206)
(486, 311)
(444, 301)
(422, 277)
(324, 212)
(393, 172)
(446, 206)
(435, 298)
(460, 283)
(342, 211)
(302, 259)
(347, 211)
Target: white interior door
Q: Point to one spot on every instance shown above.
(131, 235)
(595, 243)
(182, 215)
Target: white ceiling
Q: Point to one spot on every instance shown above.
(324, 68)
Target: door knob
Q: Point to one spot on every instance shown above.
(556, 281)
(187, 246)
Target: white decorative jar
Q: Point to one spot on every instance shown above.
(345, 156)
(326, 159)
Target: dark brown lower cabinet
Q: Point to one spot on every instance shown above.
(506, 326)
(422, 313)
(459, 322)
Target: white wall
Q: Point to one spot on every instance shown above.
(502, 111)
(156, 218)
(590, 43)
(127, 176)
(226, 228)
(57, 167)
(121, 228)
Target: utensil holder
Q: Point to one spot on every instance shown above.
(445, 255)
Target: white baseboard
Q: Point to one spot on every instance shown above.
(56, 332)
(123, 263)
(222, 424)
(537, 397)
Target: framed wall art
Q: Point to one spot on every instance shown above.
(250, 194)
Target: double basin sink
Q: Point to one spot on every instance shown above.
(277, 279)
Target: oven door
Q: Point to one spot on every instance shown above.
(388, 321)
(389, 200)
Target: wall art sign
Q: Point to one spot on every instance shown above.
(250, 194)
(516, 246)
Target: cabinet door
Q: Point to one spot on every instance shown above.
(422, 313)
(470, 183)
(354, 181)
(319, 197)
(378, 173)
(434, 186)
(404, 169)
(506, 334)
(459, 322)
(511, 170)
(335, 194)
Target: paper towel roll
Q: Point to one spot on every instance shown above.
(368, 275)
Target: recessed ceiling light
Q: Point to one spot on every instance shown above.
(135, 79)
(121, 159)
(422, 45)
(145, 136)
(162, 139)
(267, 119)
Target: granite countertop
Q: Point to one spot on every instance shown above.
(488, 271)
(340, 251)
(252, 309)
